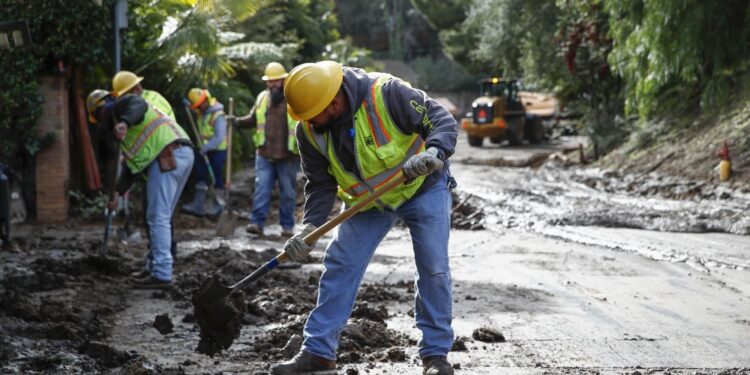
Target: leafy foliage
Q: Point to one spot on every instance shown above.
(56, 28)
(604, 58)
(697, 46)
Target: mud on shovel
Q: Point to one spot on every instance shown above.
(219, 318)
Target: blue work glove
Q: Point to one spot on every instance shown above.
(296, 247)
(422, 163)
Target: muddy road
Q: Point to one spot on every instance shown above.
(557, 269)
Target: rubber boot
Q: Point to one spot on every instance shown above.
(217, 203)
(196, 206)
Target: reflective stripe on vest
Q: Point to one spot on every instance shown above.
(148, 132)
(259, 138)
(206, 128)
(381, 149)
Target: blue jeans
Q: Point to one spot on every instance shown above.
(266, 174)
(428, 218)
(217, 159)
(163, 190)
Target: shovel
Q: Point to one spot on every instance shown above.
(228, 219)
(125, 235)
(219, 319)
(107, 231)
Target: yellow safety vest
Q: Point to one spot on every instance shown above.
(206, 128)
(144, 141)
(158, 101)
(259, 138)
(381, 149)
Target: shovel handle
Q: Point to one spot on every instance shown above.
(323, 229)
(330, 224)
(199, 140)
(315, 235)
(107, 231)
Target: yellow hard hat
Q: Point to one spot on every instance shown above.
(274, 71)
(197, 96)
(123, 81)
(309, 88)
(94, 101)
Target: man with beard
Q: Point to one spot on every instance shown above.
(360, 130)
(277, 154)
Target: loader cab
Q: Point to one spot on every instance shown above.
(498, 87)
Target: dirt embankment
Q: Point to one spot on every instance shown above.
(687, 146)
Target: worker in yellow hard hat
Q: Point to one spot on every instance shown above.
(212, 128)
(156, 147)
(276, 152)
(360, 130)
(125, 82)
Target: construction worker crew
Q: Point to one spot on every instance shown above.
(153, 144)
(212, 126)
(277, 154)
(358, 131)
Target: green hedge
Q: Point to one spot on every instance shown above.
(62, 32)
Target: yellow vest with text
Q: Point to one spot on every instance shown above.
(206, 128)
(381, 149)
(259, 138)
(144, 141)
(158, 101)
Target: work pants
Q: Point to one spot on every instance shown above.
(267, 172)
(218, 160)
(428, 218)
(163, 190)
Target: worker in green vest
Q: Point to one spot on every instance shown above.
(156, 147)
(359, 130)
(277, 156)
(125, 82)
(212, 126)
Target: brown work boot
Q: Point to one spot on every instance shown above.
(305, 363)
(436, 365)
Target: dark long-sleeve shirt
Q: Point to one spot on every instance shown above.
(130, 109)
(413, 112)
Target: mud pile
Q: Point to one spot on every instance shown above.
(552, 196)
(57, 302)
(365, 337)
(466, 212)
(282, 299)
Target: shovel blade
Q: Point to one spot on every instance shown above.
(218, 316)
(227, 224)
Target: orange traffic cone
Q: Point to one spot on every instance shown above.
(725, 166)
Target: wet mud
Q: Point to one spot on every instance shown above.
(58, 297)
(559, 195)
(486, 334)
(163, 324)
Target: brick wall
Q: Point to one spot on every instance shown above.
(53, 163)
